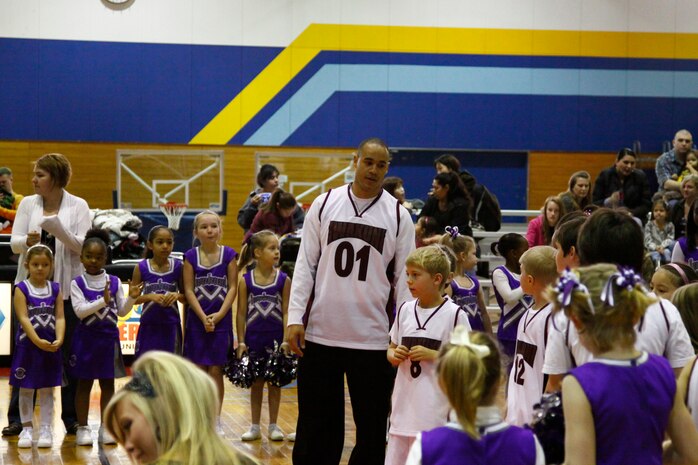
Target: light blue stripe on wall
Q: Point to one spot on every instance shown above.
(467, 80)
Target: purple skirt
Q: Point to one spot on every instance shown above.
(207, 349)
(33, 368)
(166, 337)
(259, 341)
(96, 354)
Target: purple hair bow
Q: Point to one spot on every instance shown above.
(452, 231)
(567, 284)
(625, 278)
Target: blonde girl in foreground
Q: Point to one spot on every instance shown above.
(166, 415)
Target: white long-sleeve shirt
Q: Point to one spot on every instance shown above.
(84, 308)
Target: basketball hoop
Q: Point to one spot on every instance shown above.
(173, 212)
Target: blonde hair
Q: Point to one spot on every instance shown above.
(197, 219)
(256, 241)
(686, 301)
(180, 403)
(432, 259)
(468, 380)
(540, 263)
(604, 324)
(38, 249)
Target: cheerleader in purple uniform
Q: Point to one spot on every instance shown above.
(160, 326)
(37, 362)
(619, 405)
(263, 294)
(210, 285)
(470, 372)
(98, 300)
(464, 289)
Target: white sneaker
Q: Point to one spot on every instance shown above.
(84, 436)
(45, 436)
(291, 437)
(25, 437)
(105, 437)
(253, 434)
(275, 433)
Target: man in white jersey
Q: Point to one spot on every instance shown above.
(350, 265)
(610, 236)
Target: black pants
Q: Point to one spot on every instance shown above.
(320, 431)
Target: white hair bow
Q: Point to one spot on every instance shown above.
(461, 337)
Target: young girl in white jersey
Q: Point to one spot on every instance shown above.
(507, 290)
(421, 326)
(263, 294)
(210, 286)
(36, 364)
(619, 405)
(469, 371)
(464, 289)
(160, 326)
(98, 300)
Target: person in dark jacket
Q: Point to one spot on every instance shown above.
(622, 185)
(450, 204)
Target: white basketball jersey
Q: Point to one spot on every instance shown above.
(418, 402)
(350, 259)
(526, 380)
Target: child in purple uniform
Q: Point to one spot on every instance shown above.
(160, 326)
(465, 290)
(263, 294)
(37, 361)
(210, 285)
(470, 372)
(507, 290)
(98, 300)
(619, 405)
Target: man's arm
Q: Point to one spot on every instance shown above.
(405, 244)
(663, 170)
(304, 276)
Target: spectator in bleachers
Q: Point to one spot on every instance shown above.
(268, 182)
(622, 185)
(686, 248)
(670, 164)
(541, 228)
(578, 194)
(485, 206)
(9, 201)
(449, 203)
(275, 215)
(395, 187)
(680, 210)
(659, 234)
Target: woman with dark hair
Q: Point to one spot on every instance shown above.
(268, 182)
(622, 185)
(686, 248)
(578, 194)
(276, 215)
(449, 203)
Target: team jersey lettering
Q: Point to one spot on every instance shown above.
(372, 235)
(411, 341)
(525, 354)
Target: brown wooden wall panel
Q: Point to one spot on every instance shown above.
(549, 172)
(94, 170)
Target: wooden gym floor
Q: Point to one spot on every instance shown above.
(235, 420)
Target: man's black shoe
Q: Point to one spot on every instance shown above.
(13, 429)
(72, 429)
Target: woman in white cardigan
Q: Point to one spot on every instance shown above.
(60, 220)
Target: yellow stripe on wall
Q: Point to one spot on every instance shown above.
(405, 39)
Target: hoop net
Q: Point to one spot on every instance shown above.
(173, 212)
